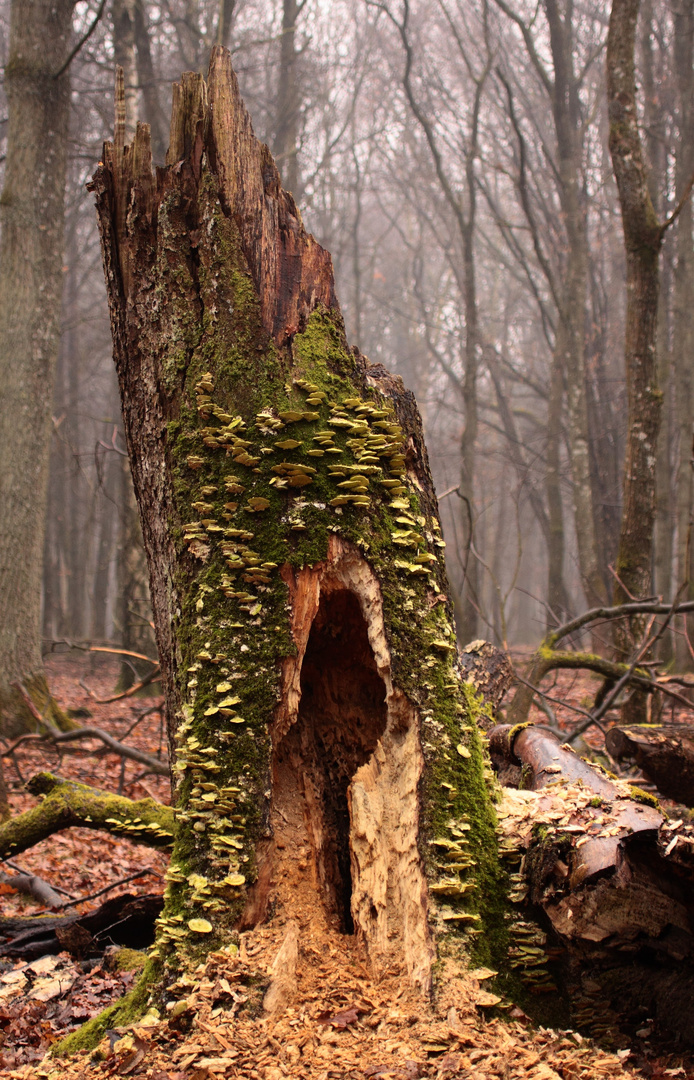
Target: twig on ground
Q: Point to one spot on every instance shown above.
(58, 738)
(34, 886)
(152, 677)
(548, 697)
(141, 716)
(21, 870)
(108, 888)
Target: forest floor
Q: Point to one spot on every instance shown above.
(343, 1022)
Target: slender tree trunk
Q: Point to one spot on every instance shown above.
(133, 600)
(683, 317)
(31, 245)
(147, 82)
(285, 143)
(106, 547)
(574, 285)
(314, 697)
(642, 237)
(124, 54)
(556, 592)
(225, 22)
(655, 146)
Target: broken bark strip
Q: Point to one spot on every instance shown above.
(67, 804)
(296, 558)
(613, 884)
(665, 754)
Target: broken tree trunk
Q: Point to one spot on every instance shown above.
(607, 882)
(665, 754)
(323, 741)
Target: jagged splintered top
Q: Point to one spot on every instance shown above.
(210, 125)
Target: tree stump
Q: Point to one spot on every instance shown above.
(326, 760)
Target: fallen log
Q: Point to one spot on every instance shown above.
(66, 804)
(665, 754)
(125, 920)
(603, 893)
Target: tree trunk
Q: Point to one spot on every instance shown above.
(284, 145)
(148, 84)
(665, 754)
(613, 879)
(134, 610)
(683, 319)
(327, 761)
(557, 600)
(31, 245)
(124, 54)
(642, 238)
(569, 129)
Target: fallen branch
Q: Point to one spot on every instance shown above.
(33, 886)
(57, 738)
(123, 920)
(104, 649)
(20, 870)
(107, 888)
(152, 677)
(67, 804)
(547, 759)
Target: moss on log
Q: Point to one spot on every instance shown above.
(64, 804)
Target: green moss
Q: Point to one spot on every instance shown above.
(243, 507)
(516, 730)
(641, 796)
(66, 803)
(127, 960)
(128, 1010)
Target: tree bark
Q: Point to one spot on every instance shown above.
(285, 142)
(642, 238)
(324, 745)
(31, 245)
(683, 318)
(665, 754)
(569, 129)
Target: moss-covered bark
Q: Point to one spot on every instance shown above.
(259, 441)
(65, 804)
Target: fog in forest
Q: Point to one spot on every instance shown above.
(452, 155)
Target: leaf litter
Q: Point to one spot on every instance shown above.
(343, 1021)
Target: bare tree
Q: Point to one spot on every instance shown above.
(37, 84)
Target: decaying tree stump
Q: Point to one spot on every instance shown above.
(325, 752)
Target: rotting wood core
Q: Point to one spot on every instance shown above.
(346, 767)
(342, 717)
